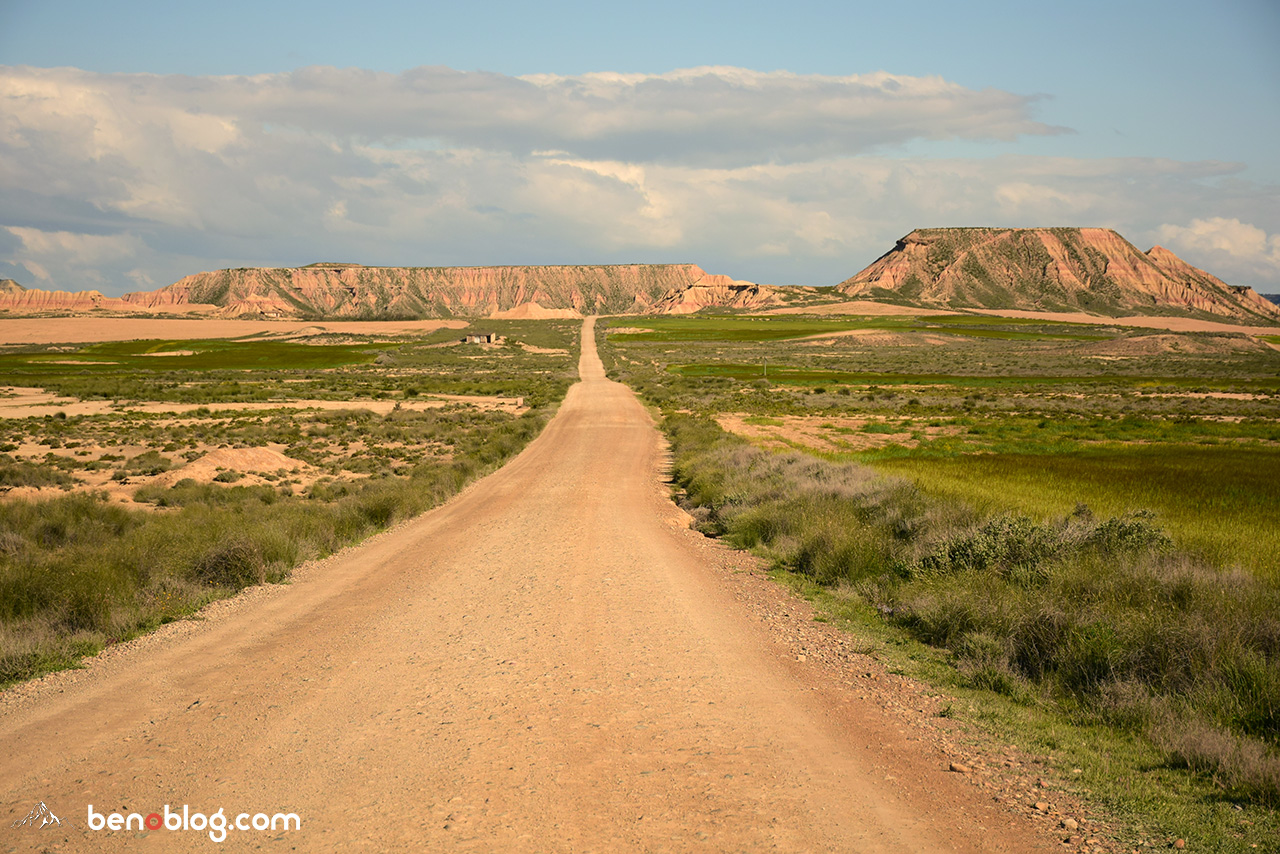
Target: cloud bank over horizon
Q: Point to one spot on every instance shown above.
(130, 181)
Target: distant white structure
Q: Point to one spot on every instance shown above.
(482, 338)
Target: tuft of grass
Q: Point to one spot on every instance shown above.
(1246, 768)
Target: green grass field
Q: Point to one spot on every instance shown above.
(202, 355)
(791, 375)
(782, 327)
(1217, 501)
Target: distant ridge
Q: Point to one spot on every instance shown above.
(1050, 269)
(333, 290)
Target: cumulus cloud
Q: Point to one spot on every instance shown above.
(1240, 249)
(125, 181)
(46, 254)
(712, 115)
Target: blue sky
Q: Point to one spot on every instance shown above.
(141, 141)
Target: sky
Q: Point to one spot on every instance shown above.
(779, 143)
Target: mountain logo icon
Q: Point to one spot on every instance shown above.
(40, 816)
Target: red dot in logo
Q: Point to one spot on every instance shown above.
(158, 821)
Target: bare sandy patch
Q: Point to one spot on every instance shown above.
(244, 461)
(533, 311)
(545, 351)
(31, 493)
(84, 330)
(78, 362)
(828, 434)
(35, 403)
(171, 353)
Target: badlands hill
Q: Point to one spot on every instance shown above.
(329, 290)
(14, 297)
(1050, 269)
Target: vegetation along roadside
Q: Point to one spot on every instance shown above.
(1079, 547)
(184, 477)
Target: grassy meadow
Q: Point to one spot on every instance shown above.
(1071, 526)
(188, 470)
(1218, 502)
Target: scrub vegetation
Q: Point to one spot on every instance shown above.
(1076, 532)
(150, 507)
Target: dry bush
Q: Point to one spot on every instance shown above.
(1240, 764)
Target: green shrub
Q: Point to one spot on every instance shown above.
(21, 473)
(235, 562)
(147, 463)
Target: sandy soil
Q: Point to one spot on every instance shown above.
(85, 330)
(550, 662)
(33, 402)
(207, 467)
(533, 311)
(825, 433)
(546, 351)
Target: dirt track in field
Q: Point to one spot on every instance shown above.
(549, 662)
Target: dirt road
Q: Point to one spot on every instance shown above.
(550, 662)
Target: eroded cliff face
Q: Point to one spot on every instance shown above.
(717, 291)
(353, 291)
(15, 297)
(1051, 269)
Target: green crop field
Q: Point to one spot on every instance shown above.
(200, 355)
(1217, 501)
(782, 327)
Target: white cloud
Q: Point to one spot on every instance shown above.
(127, 181)
(51, 255)
(1240, 250)
(1020, 198)
(719, 116)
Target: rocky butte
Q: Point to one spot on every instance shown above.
(1049, 269)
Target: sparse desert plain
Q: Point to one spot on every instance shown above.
(764, 572)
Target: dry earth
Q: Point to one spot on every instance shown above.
(839, 434)
(550, 662)
(18, 402)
